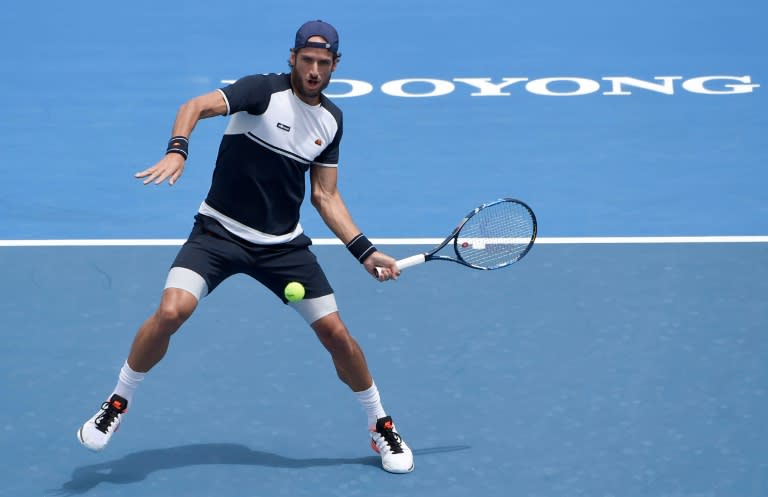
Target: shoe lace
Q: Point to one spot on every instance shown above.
(393, 440)
(108, 415)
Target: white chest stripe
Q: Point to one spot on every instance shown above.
(277, 150)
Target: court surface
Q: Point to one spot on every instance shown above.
(588, 369)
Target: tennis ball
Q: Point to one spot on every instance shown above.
(294, 291)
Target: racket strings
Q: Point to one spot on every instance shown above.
(496, 235)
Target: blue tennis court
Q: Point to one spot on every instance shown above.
(612, 361)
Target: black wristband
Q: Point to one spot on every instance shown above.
(361, 247)
(178, 145)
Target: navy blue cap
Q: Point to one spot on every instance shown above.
(317, 28)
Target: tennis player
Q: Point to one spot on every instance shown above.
(280, 127)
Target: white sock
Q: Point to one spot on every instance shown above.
(371, 403)
(128, 382)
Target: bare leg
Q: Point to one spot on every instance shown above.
(347, 355)
(149, 346)
(154, 336)
(396, 456)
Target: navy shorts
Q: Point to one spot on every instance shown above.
(216, 254)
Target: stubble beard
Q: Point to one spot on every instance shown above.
(298, 86)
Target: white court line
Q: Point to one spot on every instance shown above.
(153, 242)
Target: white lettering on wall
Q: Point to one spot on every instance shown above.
(488, 89)
(357, 88)
(564, 86)
(667, 85)
(396, 88)
(542, 87)
(696, 85)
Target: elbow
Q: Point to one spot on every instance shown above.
(317, 199)
(323, 199)
(188, 107)
(194, 107)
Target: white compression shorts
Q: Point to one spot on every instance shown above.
(309, 309)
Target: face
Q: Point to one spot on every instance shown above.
(311, 70)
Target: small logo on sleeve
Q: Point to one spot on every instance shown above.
(284, 127)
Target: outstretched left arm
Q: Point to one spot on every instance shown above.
(329, 204)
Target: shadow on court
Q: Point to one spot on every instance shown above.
(138, 466)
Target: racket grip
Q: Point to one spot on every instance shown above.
(409, 261)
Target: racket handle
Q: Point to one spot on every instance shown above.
(409, 261)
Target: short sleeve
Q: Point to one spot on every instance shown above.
(330, 156)
(250, 94)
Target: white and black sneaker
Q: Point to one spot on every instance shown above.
(97, 431)
(396, 456)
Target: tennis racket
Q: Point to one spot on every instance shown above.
(491, 236)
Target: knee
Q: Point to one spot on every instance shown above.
(335, 336)
(174, 310)
(171, 315)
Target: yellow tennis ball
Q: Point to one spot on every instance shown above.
(294, 291)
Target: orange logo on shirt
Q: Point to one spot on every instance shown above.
(318, 142)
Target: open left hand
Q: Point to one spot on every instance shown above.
(170, 167)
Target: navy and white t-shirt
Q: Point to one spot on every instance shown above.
(271, 140)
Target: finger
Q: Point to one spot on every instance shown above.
(162, 177)
(145, 173)
(174, 178)
(152, 177)
(384, 273)
(392, 269)
(396, 270)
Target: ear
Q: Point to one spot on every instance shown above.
(292, 58)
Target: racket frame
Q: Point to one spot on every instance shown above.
(454, 237)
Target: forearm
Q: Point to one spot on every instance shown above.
(171, 166)
(336, 216)
(187, 118)
(330, 206)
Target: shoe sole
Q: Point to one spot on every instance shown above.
(398, 472)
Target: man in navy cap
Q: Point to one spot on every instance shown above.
(281, 127)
